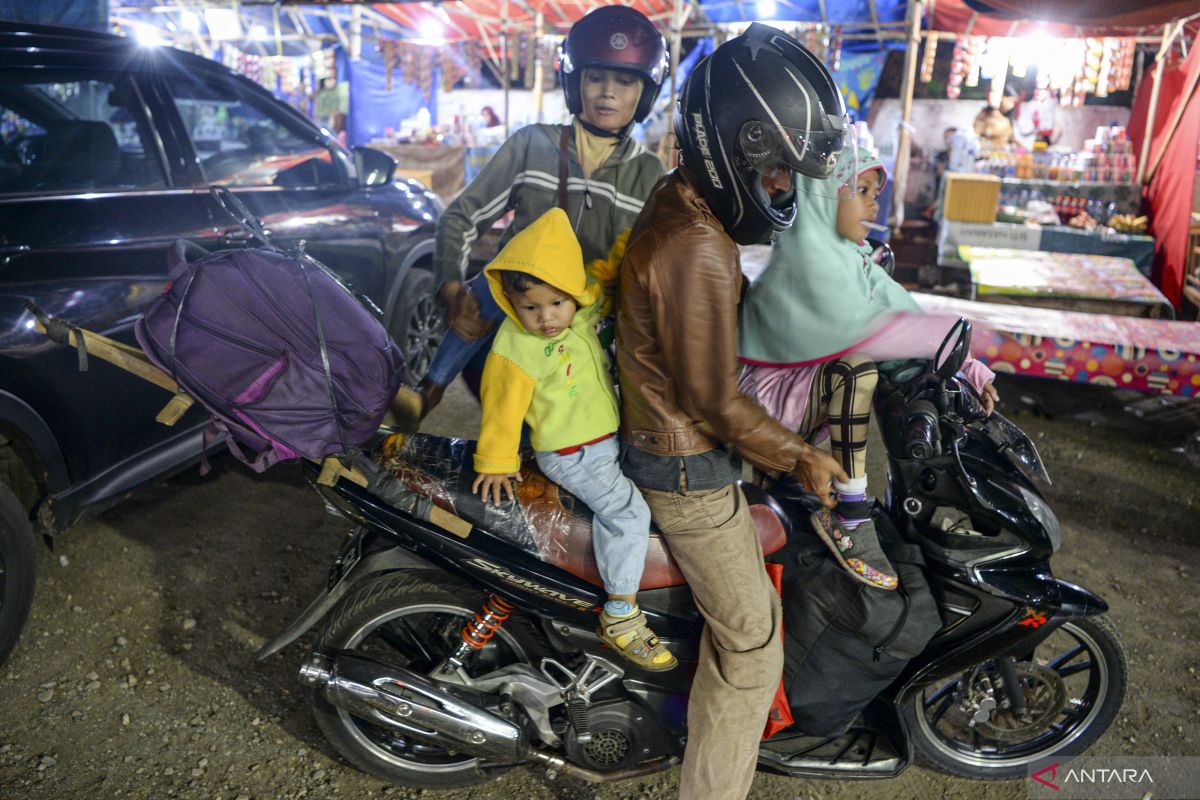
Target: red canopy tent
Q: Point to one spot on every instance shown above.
(1063, 18)
(1171, 153)
(465, 20)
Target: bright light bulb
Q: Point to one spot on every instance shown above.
(148, 36)
(765, 9)
(190, 21)
(258, 32)
(432, 30)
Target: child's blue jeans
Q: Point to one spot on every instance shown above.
(454, 353)
(621, 518)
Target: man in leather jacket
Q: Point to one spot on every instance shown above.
(685, 424)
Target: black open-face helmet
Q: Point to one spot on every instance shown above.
(759, 103)
(614, 37)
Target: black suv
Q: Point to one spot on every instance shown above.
(107, 154)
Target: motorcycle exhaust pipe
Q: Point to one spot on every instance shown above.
(406, 701)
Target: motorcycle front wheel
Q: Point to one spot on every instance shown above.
(1073, 686)
(412, 619)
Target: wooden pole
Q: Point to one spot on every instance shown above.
(504, 58)
(676, 47)
(355, 53)
(1185, 98)
(1159, 63)
(539, 66)
(904, 138)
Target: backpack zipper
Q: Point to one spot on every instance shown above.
(891, 637)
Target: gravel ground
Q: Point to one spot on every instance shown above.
(136, 676)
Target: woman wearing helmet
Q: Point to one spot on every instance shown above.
(613, 62)
(754, 112)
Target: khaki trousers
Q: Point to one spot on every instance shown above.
(711, 535)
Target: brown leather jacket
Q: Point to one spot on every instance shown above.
(681, 281)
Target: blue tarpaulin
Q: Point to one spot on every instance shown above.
(92, 14)
(374, 109)
(856, 13)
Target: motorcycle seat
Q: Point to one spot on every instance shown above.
(545, 521)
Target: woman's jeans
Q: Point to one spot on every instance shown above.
(454, 353)
(621, 518)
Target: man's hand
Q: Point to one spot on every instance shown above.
(492, 484)
(990, 397)
(462, 311)
(816, 472)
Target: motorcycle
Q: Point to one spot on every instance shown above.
(458, 640)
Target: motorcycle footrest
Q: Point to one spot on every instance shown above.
(860, 751)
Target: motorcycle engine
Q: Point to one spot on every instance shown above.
(622, 734)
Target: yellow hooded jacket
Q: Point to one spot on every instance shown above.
(561, 386)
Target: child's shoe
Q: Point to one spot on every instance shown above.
(632, 638)
(856, 549)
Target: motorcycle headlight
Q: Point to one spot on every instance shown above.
(1045, 516)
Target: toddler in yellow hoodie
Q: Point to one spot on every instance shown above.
(547, 369)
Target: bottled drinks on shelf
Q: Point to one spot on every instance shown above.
(1108, 158)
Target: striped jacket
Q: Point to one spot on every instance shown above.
(523, 176)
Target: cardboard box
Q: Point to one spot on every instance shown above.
(971, 197)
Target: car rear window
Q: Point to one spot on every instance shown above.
(69, 131)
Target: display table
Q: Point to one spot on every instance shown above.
(1149, 355)
(443, 165)
(1069, 281)
(1051, 238)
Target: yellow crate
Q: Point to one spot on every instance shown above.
(971, 197)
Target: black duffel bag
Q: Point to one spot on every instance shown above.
(845, 641)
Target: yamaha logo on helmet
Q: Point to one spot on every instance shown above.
(705, 152)
(619, 41)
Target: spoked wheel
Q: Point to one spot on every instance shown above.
(411, 620)
(417, 323)
(1073, 687)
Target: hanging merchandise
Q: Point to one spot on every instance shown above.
(816, 40)
(414, 61)
(958, 68)
(835, 48)
(1093, 62)
(454, 65)
(975, 45)
(1121, 55)
(928, 59)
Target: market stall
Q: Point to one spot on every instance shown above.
(1149, 355)
(1052, 90)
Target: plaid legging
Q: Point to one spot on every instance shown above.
(841, 394)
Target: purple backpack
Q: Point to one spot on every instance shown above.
(286, 360)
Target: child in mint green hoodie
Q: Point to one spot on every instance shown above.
(811, 329)
(546, 369)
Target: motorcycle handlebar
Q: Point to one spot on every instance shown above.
(920, 429)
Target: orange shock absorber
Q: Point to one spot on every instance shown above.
(479, 631)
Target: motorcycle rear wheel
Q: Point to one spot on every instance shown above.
(1077, 675)
(412, 619)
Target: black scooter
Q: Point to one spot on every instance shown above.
(458, 639)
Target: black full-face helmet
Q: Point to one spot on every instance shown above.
(614, 37)
(759, 103)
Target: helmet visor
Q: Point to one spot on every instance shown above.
(827, 156)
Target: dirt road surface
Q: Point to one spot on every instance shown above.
(136, 676)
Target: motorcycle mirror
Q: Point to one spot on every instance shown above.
(953, 350)
(881, 254)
